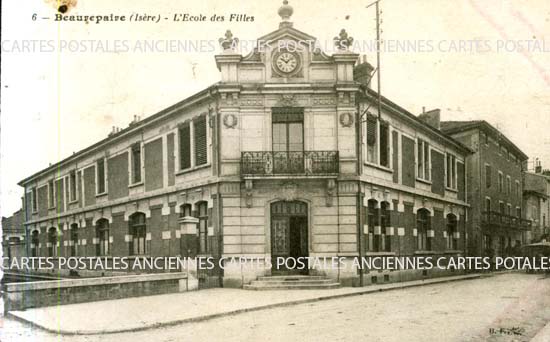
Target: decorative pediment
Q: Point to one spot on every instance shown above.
(286, 33)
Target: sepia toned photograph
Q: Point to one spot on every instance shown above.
(277, 170)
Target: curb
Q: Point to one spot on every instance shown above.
(390, 287)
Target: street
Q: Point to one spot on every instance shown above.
(506, 307)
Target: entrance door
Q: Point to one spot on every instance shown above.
(289, 235)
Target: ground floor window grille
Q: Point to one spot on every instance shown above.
(138, 232)
(203, 227)
(451, 232)
(102, 235)
(74, 239)
(35, 242)
(424, 242)
(52, 241)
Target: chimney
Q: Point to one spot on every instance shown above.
(114, 130)
(431, 117)
(362, 72)
(135, 121)
(538, 167)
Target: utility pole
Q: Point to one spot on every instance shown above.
(378, 43)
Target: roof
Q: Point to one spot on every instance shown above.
(452, 127)
(130, 129)
(535, 193)
(373, 95)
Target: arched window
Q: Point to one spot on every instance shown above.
(52, 242)
(385, 240)
(452, 225)
(202, 212)
(74, 239)
(424, 243)
(185, 210)
(35, 241)
(138, 232)
(102, 235)
(372, 222)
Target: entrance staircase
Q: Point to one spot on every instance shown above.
(292, 282)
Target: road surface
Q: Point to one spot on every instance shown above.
(506, 307)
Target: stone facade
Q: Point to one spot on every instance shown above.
(285, 156)
(536, 195)
(495, 189)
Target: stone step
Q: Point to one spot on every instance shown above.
(292, 282)
(292, 286)
(283, 281)
(290, 277)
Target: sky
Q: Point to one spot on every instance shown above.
(65, 84)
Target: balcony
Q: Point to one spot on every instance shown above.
(495, 218)
(296, 163)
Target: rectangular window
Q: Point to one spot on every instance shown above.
(72, 186)
(502, 208)
(420, 159)
(203, 227)
(518, 212)
(101, 184)
(288, 141)
(51, 194)
(34, 200)
(373, 219)
(487, 204)
(185, 146)
(500, 182)
(508, 185)
(451, 171)
(423, 159)
(488, 178)
(509, 209)
(199, 126)
(372, 146)
(136, 163)
(384, 144)
(427, 166)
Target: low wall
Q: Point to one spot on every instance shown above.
(20, 296)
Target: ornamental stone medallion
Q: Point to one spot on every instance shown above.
(230, 121)
(346, 119)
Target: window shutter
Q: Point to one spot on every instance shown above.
(371, 131)
(185, 146)
(200, 141)
(100, 176)
(136, 162)
(384, 145)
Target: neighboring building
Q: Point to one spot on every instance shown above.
(13, 235)
(536, 201)
(497, 221)
(269, 162)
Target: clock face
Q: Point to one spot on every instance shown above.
(286, 62)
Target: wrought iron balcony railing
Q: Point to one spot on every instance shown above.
(267, 163)
(499, 219)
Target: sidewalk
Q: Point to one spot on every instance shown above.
(141, 313)
(543, 335)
